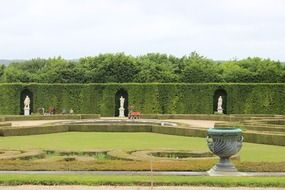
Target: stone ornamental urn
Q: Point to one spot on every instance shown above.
(224, 142)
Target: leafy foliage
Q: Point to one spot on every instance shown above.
(2, 69)
(152, 67)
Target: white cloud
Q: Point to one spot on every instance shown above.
(219, 29)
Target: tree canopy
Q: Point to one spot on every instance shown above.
(152, 67)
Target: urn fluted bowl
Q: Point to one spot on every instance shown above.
(224, 142)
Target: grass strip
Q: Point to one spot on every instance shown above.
(56, 179)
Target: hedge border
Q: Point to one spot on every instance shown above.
(180, 130)
(148, 98)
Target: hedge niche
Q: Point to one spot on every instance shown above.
(121, 93)
(217, 94)
(24, 93)
(147, 98)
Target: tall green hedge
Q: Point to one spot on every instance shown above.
(147, 98)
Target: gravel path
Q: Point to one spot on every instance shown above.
(35, 187)
(32, 123)
(193, 123)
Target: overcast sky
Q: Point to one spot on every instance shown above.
(217, 29)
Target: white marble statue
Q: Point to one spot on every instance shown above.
(220, 104)
(122, 109)
(122, 101)
(27, 102)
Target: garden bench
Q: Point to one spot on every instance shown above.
(134, 115)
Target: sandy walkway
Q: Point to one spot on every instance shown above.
(32, 123)
(30, 187)
(193, 123)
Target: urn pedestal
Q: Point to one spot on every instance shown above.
(224, 142)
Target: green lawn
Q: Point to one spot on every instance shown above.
(103, 140)
(16, 179)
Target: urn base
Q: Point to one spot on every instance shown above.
(224, 167)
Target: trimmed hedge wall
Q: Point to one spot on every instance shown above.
(147, 98)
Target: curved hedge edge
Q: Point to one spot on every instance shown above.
(215, 117)
(23, 155)
(181, 130)
(5, 124)
(259, 137)
(21, 131)
(147, 155)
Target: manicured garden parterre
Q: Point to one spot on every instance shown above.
(80, 141)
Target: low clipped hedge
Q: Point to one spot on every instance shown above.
(148, 98)
(215, 117)
(180, 130)
(5, 124)
(266, 136)
(21, 131)
(49, 117)
(265, 128)
(110, 128)
(23, 155)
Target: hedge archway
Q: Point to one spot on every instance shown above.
(24, 93)
(124, 94)
(217, 94)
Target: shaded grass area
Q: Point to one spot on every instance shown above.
(130, 141)
(19, 179)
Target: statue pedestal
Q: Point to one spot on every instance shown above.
(220, 110)
(26, 111)
(121, 112)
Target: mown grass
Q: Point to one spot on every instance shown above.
(57, 179)
(130, 141)
(102, 140)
